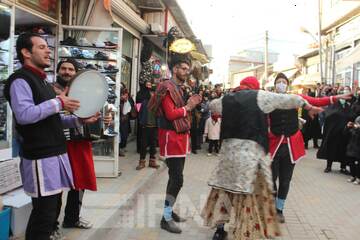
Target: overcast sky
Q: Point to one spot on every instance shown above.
(232, 25)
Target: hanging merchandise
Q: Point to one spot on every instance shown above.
(205, 71)
(146, 73)
(156, 70)
(196, 70)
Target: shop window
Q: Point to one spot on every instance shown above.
(126, 66)
(5, 118)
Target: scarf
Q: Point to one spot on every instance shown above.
(181, 125)
(126, 108)
(215, 117)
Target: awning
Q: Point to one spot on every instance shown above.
(119, 9)
(307, 80)
(199, 57)
(349, 60)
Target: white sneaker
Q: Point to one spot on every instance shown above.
(351, 180)
(64, 52)
(84, 42)
(57, 235)
(357, 182)
(209, 154)
(110, 132)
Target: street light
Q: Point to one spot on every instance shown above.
(304, 30)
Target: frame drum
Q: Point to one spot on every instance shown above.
(91, 89)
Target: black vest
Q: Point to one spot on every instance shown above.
(284, 122)
(243, 119)
(44, 138)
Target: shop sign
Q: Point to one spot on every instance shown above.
(47, 7)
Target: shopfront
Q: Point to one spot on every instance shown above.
(17, 17)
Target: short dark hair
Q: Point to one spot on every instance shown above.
(24, 41)
(281, 75)
(177, 59)
(72, 61)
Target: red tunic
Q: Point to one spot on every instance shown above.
(173, 144)
(296, 141)
(82, 164)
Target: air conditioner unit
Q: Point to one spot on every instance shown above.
(156, 28)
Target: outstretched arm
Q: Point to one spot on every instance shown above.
(268, 102)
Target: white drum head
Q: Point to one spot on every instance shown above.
(91, 89)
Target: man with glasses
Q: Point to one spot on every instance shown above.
(174, 126)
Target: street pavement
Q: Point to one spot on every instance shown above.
(320, 205)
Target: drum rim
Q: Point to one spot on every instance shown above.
(80, 72)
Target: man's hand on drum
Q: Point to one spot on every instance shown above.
(69, 104)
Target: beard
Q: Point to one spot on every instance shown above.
(182, 78)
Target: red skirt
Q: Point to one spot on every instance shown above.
(82, 164)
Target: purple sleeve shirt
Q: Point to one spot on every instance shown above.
(26, 112)
(53, 174)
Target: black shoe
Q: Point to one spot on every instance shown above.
(327, 170)
(220, 234)
(280, 216)
(69, 41)
(169, 226)
(344, 171)
(101, 56)
(177, 218)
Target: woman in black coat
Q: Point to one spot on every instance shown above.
(311, 129)
(335, 140)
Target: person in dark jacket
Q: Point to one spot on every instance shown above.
(353, 147)
(353, 150)
(127, 112)
(311, 129)
(333, 146)
(147, 127)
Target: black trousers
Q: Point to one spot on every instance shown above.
(330, 162)
(43, 217)
(354, 167)
(73, 206)
(176, 179)
(214, 144)
(194, 139)
(148, 139)
(282, 168)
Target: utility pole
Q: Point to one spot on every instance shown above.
(266, 56)
(320, 42)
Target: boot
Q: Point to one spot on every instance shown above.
(169, 226)
(220, 234)
(177, 218)
(141, 164)
(280, 216)
(153, 164)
